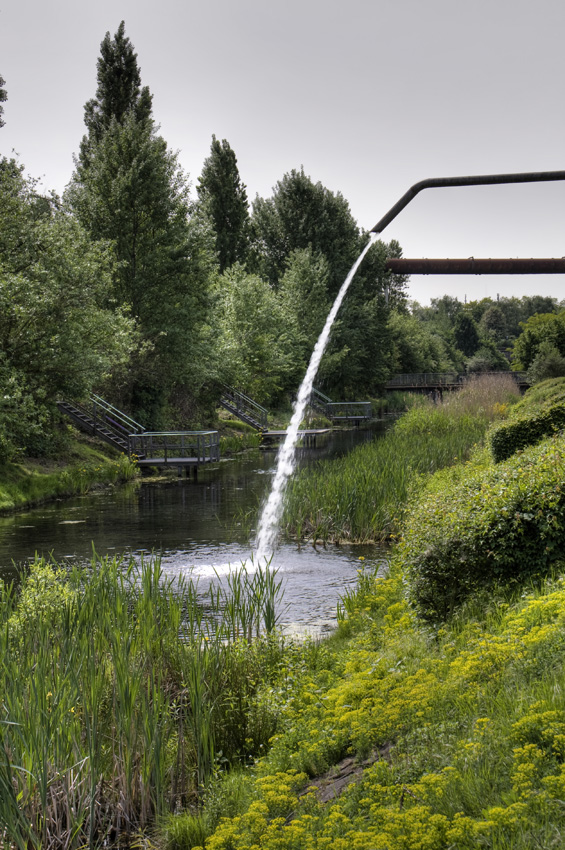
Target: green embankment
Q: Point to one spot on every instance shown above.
(84, 465)
(404, 734)
(420, 724)
(410, 739)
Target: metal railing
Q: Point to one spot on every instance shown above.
(176, 446)
(319, 401)
(105, 412)
(244, 406)
(443, 379)
(425, 379)
(349, 410)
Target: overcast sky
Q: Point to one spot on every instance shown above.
(370, 96)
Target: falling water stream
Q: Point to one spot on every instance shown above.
(271, 514)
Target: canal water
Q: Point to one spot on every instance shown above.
(199, 529)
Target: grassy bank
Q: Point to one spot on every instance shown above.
(362, 497)
(236, 436)
(419, 732)
(85, 464)
(424, 723)
(415, 740)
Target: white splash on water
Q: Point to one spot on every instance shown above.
(270, 516)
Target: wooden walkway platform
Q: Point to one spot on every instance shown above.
(183, 449)
(183, 465)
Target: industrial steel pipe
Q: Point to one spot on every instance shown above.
(479, 180)
(479, 266)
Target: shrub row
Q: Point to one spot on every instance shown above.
(495, 525)
(510, 437)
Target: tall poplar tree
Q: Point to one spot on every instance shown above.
(224, 198)
(128, 188)
(119, 92)
(3, 98)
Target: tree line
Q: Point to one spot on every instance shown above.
(130, 286)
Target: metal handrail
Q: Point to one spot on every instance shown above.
(436, 378)
(349, 409)
(442, 378)
(317, 394)
(245, 404)
(170, 445)
(124, 420)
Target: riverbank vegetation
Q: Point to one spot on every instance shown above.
(412, 737)
(124, 692)
(362, 496)
(429, 721)
(83, 465)
(133, 706)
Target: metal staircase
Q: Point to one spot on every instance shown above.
(244, 408)
(319, 401)
(101, 419)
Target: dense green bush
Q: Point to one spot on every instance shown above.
(516, 433)
(512, 436)
(545, 393)
(493, 525)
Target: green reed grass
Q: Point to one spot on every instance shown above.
(231, 444)
(362, 496)
(119, 690)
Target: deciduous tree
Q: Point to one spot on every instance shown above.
(60, 332)
(548, 328)
(415, 347)
(302, 214)
(466, 334)
(257, 337)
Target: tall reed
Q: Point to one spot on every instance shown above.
(119, 687)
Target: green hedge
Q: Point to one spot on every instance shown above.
(495, 526)
(510, 437)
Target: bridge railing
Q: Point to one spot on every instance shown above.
(425, 379)
(170, 446)
(443, 379)
(349, 410)
(519, 377)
